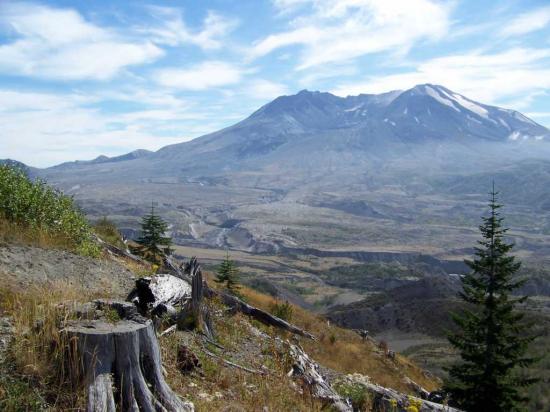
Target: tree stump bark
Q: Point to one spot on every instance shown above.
(121, 366)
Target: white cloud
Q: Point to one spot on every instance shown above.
(60, 44)
(43, 129)
(339, 30)
(200, 77)
(489, 78)
(262, 89)
(527, 22)
(173, 31)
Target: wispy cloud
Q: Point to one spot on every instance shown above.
(48, 128)
(489, 78)
(339, 30)
(59, 44)
(527, 22)
(76, 82)
(172, 30)
(203, 76)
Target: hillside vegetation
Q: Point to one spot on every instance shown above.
(34, 310)
(33, 212)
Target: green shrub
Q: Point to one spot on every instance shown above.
(282, 310)
(357, 395)
(37, 206)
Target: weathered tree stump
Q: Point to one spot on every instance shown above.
(120, 364)
(199, 310)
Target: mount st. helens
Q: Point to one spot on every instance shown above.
(404, 170)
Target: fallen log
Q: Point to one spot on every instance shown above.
(306, 369)
(258, 314)
(387, 398)
(122, 358)
(419, 390)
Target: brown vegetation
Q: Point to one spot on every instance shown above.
(36, 356)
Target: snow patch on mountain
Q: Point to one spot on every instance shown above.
(434, 94)
(471, 106)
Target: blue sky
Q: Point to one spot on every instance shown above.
(84, 78)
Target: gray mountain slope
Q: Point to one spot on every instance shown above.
(321, 125)
(302, 164)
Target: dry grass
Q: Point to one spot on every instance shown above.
(13, 233)
(37, 354)
(218, 387)
(38, 357)
(344, 351)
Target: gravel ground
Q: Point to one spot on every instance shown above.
(25, 266)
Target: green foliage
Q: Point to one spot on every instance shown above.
(374, 275)
(356, 393)
(111, 315)
(263, 286)
(35, 205)
(493, 338)
(282, 310)
(18, 393)
(153, 244)
(228, 274)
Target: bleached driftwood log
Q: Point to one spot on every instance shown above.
(159, 293)
(121, 357)
(308, 370)
(305, 368)
(418, 389)
(385, 397)
(258, 314)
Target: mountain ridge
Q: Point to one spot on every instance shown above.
(314, 170)
(424, 111)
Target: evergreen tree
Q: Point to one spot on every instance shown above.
(153, 244)
(228, 273)
(492, 337)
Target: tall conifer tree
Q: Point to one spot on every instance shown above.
(153, 244)
(492, 336)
